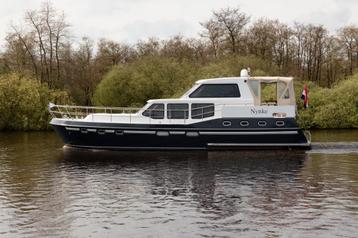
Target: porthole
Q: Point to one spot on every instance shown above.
(280, 123)
(226, 123)
(244, 123)
(262, 123)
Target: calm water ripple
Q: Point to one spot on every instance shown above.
(47, 191)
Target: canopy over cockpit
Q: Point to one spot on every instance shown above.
(272, 90)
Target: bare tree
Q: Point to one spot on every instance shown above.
(178, 47)
(232, 23)
(45, 30)
(348, 37)
(262, 38)
(18, 41)
(214, 33)
(151, 46)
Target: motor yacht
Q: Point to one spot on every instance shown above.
(219, 113)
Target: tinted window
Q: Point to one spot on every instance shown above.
(177, 110)
(155, 111)
(202, 110)
(216, 91)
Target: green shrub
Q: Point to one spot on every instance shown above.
(147, 78)
(23, 103)
(330, 108)
(339, 106)
(161, 77)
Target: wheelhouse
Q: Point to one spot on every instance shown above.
(227, 97)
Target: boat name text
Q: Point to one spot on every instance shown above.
(258, 111)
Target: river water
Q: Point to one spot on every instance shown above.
(50, 191)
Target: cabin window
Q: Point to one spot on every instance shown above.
(155, 111)
(280, 123)
(244, 123)
(262, 123)
(226, 123)
(216, 91)
(202, 110)
(178, 110)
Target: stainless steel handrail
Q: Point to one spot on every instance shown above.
(80, 112)
(86, 110)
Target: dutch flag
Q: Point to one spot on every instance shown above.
(304, 96)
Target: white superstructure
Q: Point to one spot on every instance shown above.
(247, 102)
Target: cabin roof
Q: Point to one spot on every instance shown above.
(238, 79)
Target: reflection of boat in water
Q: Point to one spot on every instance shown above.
(237, 112)
(210, 180)
(267, 159)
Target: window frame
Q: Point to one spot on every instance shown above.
(150, 113)
(184, 111)
(202, 116)
(217, 84)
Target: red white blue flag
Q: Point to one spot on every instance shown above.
(304, 96)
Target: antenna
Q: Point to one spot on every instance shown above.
(245, 72)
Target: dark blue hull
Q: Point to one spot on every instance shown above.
(200, 136)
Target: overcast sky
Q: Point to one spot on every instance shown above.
(131, 20)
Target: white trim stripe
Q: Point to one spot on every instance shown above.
(72, 129)
(139, 132)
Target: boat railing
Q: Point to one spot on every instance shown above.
(80, 112)
(71, 112)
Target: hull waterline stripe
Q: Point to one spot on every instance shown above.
(134, 147)
(248, 133)
(257, 144)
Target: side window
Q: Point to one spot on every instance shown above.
(216, 91)
(202, 110)
(254, 85)
(178, 110)
(155, 111)
(282, 90)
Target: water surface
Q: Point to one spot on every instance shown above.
(48, 191)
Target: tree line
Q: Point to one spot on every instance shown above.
(44, 48)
